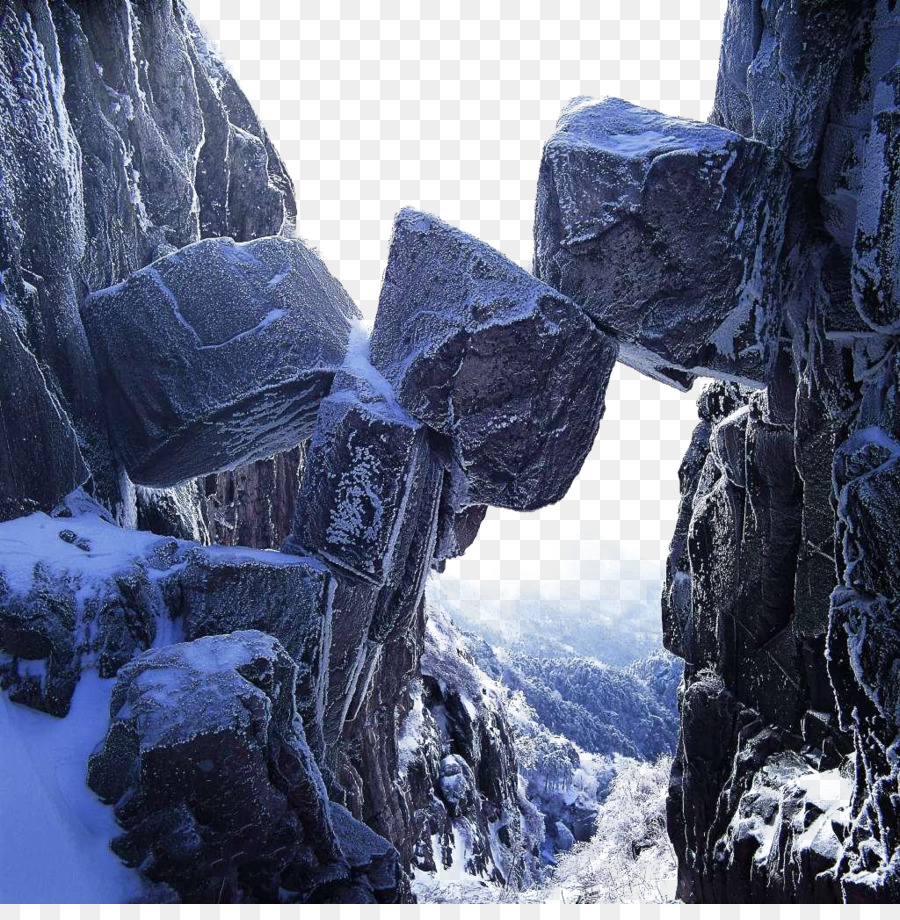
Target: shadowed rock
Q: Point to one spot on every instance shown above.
(667, 232)
(368, 506)
(483, 353)
(214, 784)
(221, 590)
(40, 459)
(217, 791)
(216, 355)
(876, 253)
(353, 492)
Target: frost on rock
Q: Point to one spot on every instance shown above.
(40, 459)
(367, 508)
(215, 787)
(876, 252)
(667, 232)
(76, 591)
(510, 372)
(357, 737)
(289, 598)
(190, 390)
(117, 147)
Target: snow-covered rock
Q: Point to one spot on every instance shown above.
(214, 785)
(77, 591)
(667, 232)
(220, 590)
(190, 390)
(513, 374)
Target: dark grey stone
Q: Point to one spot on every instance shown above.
(486, 355)
(667, 232)
(40, 458)
(354, 487)
(791, 77)
(189, 390)
(876, 251)
(289, 598)
(215, 788)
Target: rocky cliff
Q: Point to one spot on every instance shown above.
(278, 727)
(779, 595)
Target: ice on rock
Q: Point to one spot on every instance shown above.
(667, 232)
(215, 788)
(216, 355)
(221, 590)
(354, 487)
(798, 54)
(876, 253)
(513, 374)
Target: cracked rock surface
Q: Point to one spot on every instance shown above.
(302, 725)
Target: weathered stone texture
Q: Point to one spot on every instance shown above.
(668, 233)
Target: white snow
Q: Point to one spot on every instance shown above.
(358, 363)
(28, 541)
(642, 144)
(409, 737)
(55, 845)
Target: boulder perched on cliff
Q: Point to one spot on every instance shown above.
(368, 506)
(128, 138)
(216, 355)
(215, 787)
(512, 373)
(353, 490)
(667, 232)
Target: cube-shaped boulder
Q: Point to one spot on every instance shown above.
(668, 233)
(353, 493)
(512, 373)
(216, 355)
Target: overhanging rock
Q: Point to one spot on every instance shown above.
(216, 355)
(477, 349)
(667, 232)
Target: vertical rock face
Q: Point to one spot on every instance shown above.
(143, 143)
(779, 594)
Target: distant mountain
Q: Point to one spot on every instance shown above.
(614, 632)
(604, 710)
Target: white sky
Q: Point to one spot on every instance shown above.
(378, 105)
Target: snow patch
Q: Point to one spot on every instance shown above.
(56, 845)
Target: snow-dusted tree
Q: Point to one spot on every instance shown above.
(630, 858)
